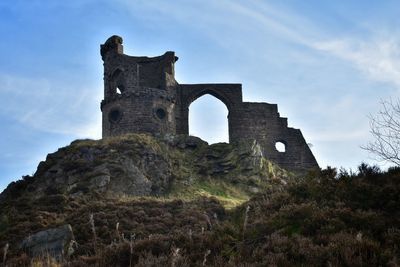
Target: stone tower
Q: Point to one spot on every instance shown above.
(139, 92)
(141, 95)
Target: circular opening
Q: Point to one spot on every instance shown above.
(161, 113)
(280, 147)
(114, 115)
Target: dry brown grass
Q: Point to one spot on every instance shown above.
(325, 219)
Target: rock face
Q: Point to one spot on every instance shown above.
(134, 167)
(53, 242)
(142, 165)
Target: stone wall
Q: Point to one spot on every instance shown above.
(138, 92)
(146, 110)
(141, 95)
(262, 122)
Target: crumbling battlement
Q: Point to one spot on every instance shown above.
(141, 95)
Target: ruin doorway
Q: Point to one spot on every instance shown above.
(208, 119)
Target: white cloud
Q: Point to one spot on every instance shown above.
(379, 59)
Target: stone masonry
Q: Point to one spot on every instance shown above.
(141, 95)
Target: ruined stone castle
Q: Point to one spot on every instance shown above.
(141, 95)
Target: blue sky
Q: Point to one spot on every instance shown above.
(327, 64)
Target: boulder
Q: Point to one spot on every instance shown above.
(53, 242)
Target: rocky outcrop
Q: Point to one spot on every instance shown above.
(114, 179)
(53, 242)
(141, 165)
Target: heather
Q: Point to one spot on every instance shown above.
(322, 218)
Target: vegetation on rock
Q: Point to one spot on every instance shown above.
(219, 205)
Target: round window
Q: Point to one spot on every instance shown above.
(161, 113)
(114, 115)
(280, 146)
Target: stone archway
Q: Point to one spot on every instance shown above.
(229, 94)
(215, 93)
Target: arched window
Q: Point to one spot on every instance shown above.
(208, 119)
(117, 82)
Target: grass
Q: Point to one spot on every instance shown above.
(228, 195)
(321, 220)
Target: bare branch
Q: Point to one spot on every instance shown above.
(385, 130)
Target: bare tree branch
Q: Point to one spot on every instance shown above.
(385, 130)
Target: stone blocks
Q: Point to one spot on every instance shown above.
(141, 95)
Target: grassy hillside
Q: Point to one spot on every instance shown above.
(217, 211)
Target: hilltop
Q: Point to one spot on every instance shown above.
(138, 200)
(142, 165)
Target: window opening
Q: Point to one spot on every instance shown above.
(208, 119)
(280, 147)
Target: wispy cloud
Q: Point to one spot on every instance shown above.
(379, 59)
(50, 107)
(375, 54)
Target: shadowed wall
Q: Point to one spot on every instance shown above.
(141, 95)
